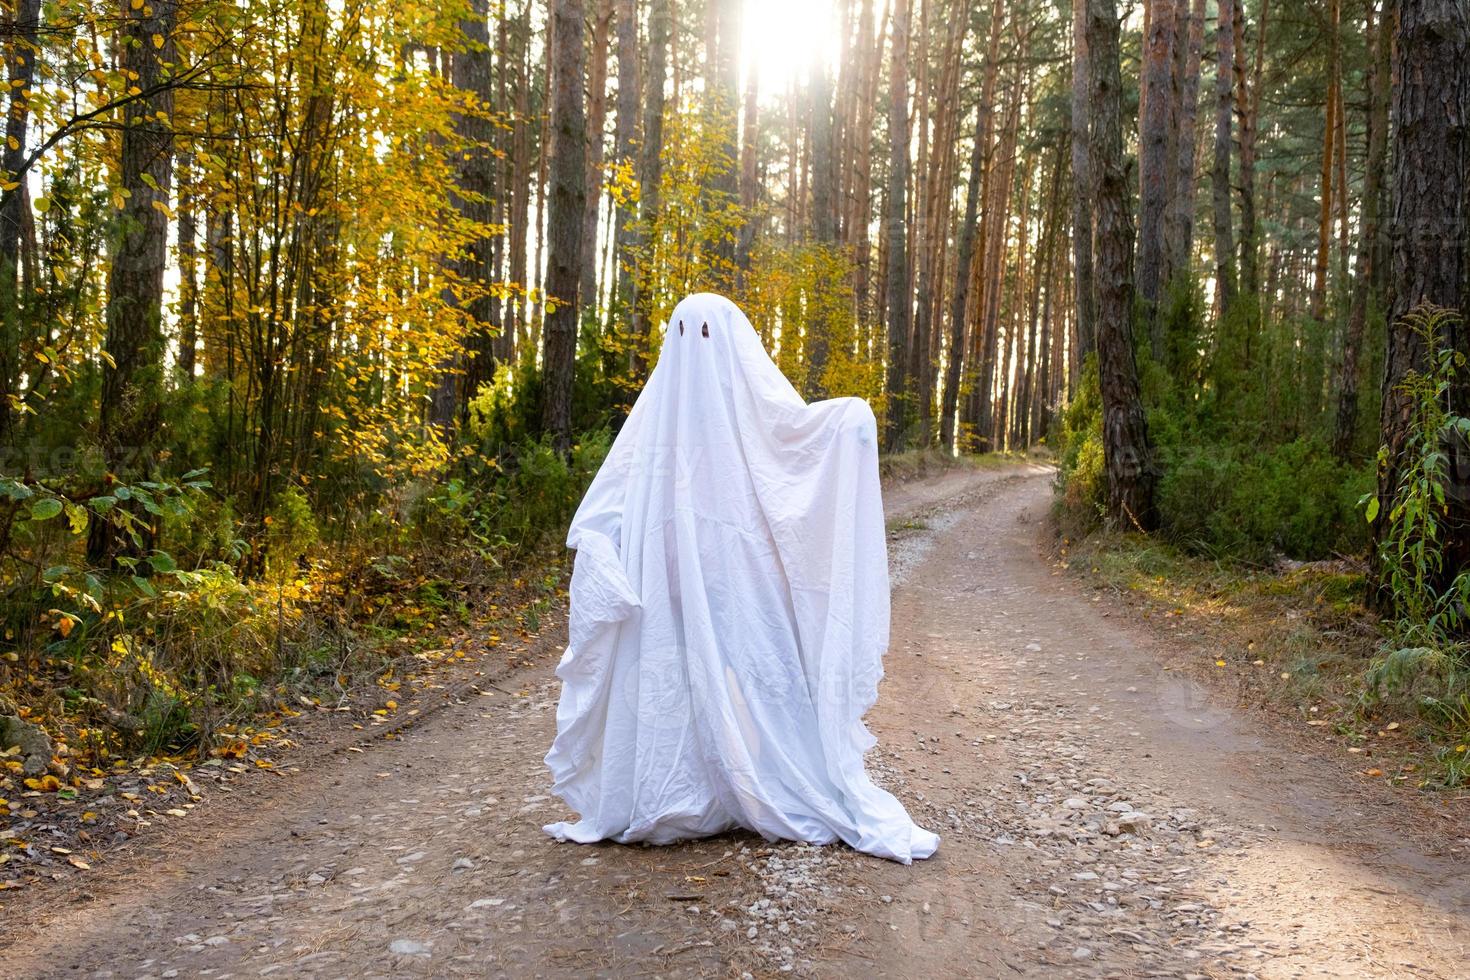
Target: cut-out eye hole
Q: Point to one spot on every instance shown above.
(704, 330)
(681, 328)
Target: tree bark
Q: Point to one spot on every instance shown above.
(601, 22)
(900, 303)
(650, 174)
(1220, 172)
(824, 212)
(723, 95)
(1370, 256)
(750, 189)
(1154, 165)
(1248, 105)
(624, 237)
(1431, 164)
(475, 164)
(515, 342)
(188, 252)
(1329, 152)
(1190, 32)
(132, 378)
(568, 193)
(20, 64)
(1128, 455)
(964, 272)
(1081, 186)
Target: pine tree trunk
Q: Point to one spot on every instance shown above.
(977, 366)
(1190, 28)
(900, 303)
(475, 164)
(132, 378)
(1081, 186)
(870, 47)
(1220, 172)
(1370, 257)
(624, 236)
(1248, 104)
(1154, 165)
(188, 253)
(1329, 152)
(20, 65)
(824, 213)
(568, 162)
(1128, 457)
(723, 103)
(750, 189)
(964, 272)
(515, 341)
(601, 23)
(1002, 195)
(650, 174)
(1431, 170)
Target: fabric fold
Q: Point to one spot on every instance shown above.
(729, 610)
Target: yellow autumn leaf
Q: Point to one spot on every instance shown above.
(158, 40)
(46, 784)
(64, 626)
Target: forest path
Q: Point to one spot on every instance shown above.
(1100, 815)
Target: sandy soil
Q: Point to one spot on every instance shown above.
(1101, 814)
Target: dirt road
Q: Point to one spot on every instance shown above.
(1100, 815)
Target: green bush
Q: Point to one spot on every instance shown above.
(1293, 499)
(1081, 477)
(504, 507)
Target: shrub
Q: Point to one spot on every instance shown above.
(1237, 501)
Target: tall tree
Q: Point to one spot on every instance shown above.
(132, 376)
(964, 273)
(1248, 109)
(1127, 454)
(627, 145)
(1371, 257)
(1189, 30)
(568, 167)
(1155, 167)
(650, 171)
(601, 23)
(1220, 171)
(475, 165)
(20, 63)
(1081, 185)
(824, 209)
(1431, 171)
(722, 94)
(895, 225)
(1329, 154)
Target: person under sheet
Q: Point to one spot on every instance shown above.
(729, 611)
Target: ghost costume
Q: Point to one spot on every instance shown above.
(729, 611)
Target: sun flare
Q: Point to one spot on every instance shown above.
(782, 39)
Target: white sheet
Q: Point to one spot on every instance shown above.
(729, 610)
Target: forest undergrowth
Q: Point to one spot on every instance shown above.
(1264, 549)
